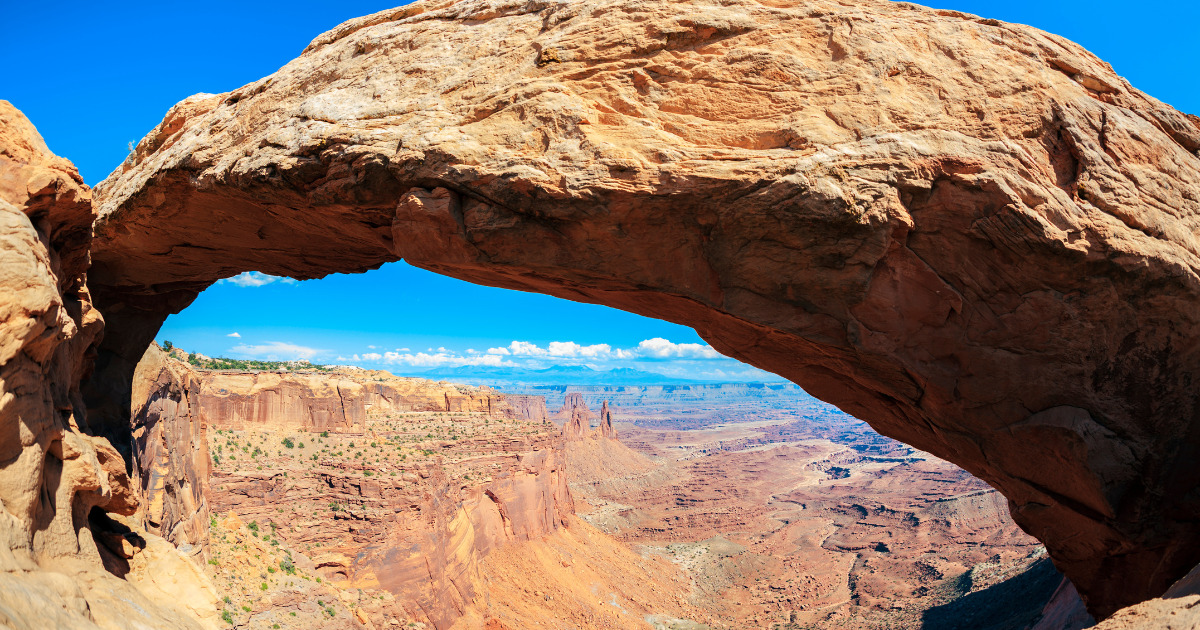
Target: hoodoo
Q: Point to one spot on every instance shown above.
(576, 418)
(607, 430)
(973, 235)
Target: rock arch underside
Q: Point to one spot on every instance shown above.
(972, 234)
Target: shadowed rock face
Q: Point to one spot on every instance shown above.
(972, 234)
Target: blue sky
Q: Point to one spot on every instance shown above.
(96, 76)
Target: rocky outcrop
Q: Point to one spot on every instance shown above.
(63, 486)
(405, 519)
(170, 460)
(1177, 609)
(571, 402)
(607, 430)
(54, 472)
(532, 408)
(337, 401)
(973, 234)
(575, 417)
(431, 552)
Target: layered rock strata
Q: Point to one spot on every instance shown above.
(341, 401)
(176, 406)
(973, 234)
(417, 526)
(532, 408)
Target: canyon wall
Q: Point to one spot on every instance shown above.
(335, 401)
(420, 535)
(170, 460)
(418, 527)
(175, 405)
(532, 408)
(974, 235)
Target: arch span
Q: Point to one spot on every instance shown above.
(973, 235)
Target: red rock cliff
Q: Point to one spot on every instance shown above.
(332, 401)
(170, 459)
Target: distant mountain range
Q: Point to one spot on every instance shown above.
(556, 375)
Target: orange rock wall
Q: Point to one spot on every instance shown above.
(171, 463)
(341, 401)
(420, 535)
(532, 408)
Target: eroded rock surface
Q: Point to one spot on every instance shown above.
(176, 406)
(318, 402)
(59, 480)
(409, 503)
(170, 458)
(973, 234)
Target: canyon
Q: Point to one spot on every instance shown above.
(973, 235)
(396, 513)
(443, 506)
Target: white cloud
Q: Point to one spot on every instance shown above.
(652, 349)
(558, 349)
(572, 349)
(444, 359)
(276, 351)
(690, 360)
(255, 279)
(234, 335)
(526, 349)
(659, 348)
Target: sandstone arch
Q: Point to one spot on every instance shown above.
(972, 234)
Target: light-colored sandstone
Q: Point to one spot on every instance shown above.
(60, 474)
